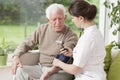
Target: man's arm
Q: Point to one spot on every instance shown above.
(50, 72)
(70, 39)
(16, 63)
(29, 43)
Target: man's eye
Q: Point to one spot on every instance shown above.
(60, 18)
(54, 19)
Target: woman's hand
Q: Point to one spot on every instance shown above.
(57, 62)
(66, 51)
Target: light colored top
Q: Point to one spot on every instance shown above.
(89, 52)
(46, 38)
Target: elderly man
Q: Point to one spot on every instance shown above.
(45, 36)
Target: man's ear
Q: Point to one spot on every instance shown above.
(65, 17)
(47, 19)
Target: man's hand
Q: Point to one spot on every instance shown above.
(50, 72)
(16, 63)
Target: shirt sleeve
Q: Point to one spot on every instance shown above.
(70, 39)
(28, 43)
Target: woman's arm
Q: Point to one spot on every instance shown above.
(69, 68)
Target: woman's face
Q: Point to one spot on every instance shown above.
(76, 21)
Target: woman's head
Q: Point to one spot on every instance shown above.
(81, 8)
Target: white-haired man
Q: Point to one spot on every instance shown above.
(45, 36)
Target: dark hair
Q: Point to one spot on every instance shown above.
(81, 8)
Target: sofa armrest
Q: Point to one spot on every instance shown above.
(30, 58)
(114, 53)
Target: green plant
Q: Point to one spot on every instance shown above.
(116, 44)
(114, 14)
(4, 47)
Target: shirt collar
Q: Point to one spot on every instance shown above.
(90, 28)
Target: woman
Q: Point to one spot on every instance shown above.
(89, 52)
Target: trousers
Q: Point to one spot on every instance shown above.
(34, 72)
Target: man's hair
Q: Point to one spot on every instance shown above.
(54, 7)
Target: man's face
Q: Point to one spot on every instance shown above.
(56, 20)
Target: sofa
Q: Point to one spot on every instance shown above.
(112, 63)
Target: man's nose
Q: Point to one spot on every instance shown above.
(57, 21)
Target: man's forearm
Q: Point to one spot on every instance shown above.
(53, 70)
(50, 72)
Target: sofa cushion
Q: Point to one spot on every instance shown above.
(108, 58)
(114, 71)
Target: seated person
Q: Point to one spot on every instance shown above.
(89, 53)
(45, 36)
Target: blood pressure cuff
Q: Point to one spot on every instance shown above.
(65, 59)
